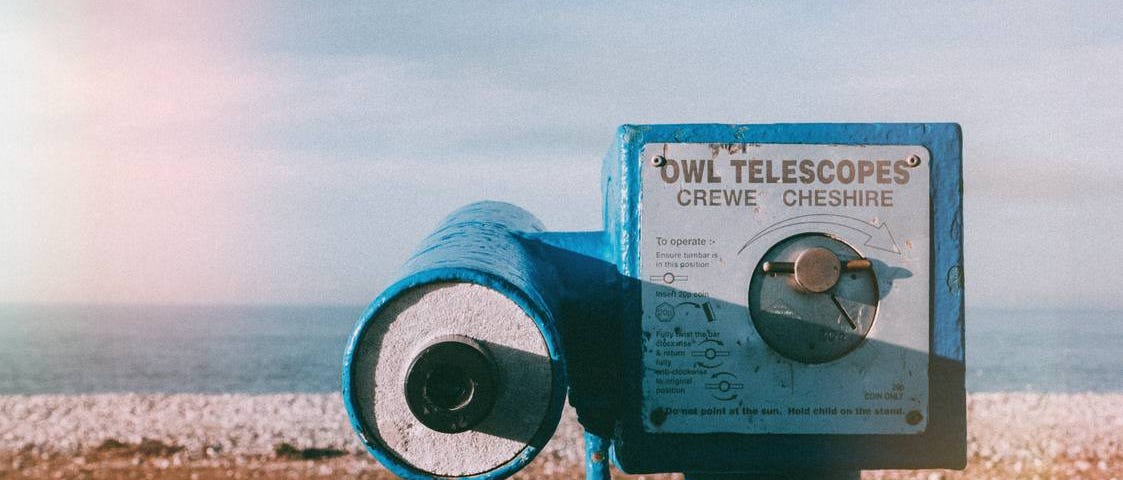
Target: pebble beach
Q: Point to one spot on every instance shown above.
(193, 436)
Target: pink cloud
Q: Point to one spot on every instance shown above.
(137, 173)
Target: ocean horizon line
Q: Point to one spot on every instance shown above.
(271, 393)
(362, 305)
(181, 304)
(287, 348)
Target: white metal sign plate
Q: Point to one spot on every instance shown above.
(709, 216)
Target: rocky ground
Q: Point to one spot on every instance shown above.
(1020, 435)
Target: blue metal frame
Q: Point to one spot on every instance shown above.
(943, 444)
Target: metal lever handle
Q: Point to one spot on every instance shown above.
(789, 267)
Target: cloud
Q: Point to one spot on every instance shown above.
(289, 153)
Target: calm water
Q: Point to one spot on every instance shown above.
(172, 349)
(298, 349)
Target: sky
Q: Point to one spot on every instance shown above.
(265, 153)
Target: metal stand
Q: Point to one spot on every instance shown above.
(596, 457)
(790, 475)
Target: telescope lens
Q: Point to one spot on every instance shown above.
(449, 387)
(452, 384)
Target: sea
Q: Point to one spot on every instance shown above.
(73, 349)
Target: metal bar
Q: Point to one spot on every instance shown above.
(596, 457)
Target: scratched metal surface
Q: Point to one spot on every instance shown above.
(941, 445)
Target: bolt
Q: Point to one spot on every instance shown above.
(914, 161)
(658, 161)
(914, 417)
(658, 416)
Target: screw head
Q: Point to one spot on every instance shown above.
(658, 416)
(913, 160)
(914, 417)
(658, 161)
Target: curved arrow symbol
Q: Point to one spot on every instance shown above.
(877, 236)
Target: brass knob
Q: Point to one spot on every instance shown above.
(817, 269)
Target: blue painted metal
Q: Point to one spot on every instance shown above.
(942, 445)
(596, 457)
(582, 290)
(482, 244)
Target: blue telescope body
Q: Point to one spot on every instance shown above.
(590, 315)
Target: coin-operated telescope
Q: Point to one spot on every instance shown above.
(764, 300)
